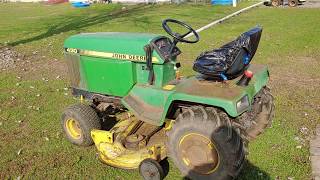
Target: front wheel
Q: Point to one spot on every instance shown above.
(203, 144)
(77, 121)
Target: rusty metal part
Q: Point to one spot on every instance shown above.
(148, 136)
(144, 130)
(125, 128)
(132, 141)
(199, 153)
(124, 115)
(155, 130)
(158, 138)
(103, 106)
(133, 127)
(116, 101)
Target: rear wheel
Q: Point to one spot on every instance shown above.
(275, 3)
(293, 3)
(203, 145)
(77, 121)
(255, 121)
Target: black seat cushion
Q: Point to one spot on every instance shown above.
(230, 60)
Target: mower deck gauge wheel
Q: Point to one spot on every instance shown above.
(150, 169)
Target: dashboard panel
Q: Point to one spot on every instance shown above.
(163, 46)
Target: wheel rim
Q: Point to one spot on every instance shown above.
(274, 3)
(292, 3)
(199, 153)
(148, 170)
(73, 128)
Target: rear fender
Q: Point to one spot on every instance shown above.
(221, 95)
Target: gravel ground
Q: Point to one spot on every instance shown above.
(310, 4)
(9, 57)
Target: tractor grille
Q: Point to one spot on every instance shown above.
(73, 61)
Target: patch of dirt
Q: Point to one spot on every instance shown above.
(294, 79)
(295, 82)
(29, 164)
(41, 67)
(296, 72)
(9, 57)
(32, 67)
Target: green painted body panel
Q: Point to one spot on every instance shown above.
(163, 73)
(151, 95)
(126, 43)
(110, 77)
(218, 94)
(113, 42)
(223, 95)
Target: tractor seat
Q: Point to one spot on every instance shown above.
(231, 59)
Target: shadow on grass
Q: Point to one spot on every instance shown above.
(227, 157)
(70, 23)
(249, 171)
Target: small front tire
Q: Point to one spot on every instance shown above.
(77, 121)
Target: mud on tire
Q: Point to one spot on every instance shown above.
(254, 122)
(77, 121)
(223, 161)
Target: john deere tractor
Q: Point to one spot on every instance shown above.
(137, 109)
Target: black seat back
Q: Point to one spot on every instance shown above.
(230, 60)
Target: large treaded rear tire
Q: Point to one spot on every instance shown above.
(216, 126)
(86, 119)
(254, 122)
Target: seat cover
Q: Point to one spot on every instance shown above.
(230, 60)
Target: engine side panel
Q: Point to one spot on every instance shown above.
(110, 77)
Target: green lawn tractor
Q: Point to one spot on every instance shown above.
(137, 109)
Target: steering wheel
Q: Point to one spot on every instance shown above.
(176, 36)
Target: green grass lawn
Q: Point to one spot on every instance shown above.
(32, 145)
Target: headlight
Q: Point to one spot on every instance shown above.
(243, 104)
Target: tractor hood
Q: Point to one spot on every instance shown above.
(117, 44)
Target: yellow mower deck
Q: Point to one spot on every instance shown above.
(112, 151)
